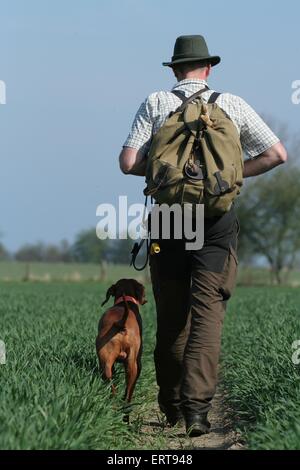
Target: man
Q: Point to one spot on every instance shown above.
(191, 288)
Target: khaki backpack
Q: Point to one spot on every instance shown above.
(196, 157)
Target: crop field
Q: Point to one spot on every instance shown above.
(262, 382)
(51, 395)
(78, 272)
(67, 272)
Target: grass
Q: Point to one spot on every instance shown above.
(262, 382)
(51, 396)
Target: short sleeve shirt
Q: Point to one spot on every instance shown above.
(255, 134)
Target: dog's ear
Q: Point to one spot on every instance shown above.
(110, 291)
(140, 293)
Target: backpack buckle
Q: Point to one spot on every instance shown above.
(222, 186)
(193, 170)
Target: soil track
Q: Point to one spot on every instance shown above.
(221, 437)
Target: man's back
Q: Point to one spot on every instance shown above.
(256, 136)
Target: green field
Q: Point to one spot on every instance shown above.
(68, 272)
(52, 397)
(51, 393)
(262, 382)
(77, 272)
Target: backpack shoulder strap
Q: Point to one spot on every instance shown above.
(213, 97)
(179, 95)
(186, 101)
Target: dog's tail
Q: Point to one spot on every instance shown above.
(121, 323)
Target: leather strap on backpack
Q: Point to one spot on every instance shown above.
(180, 95)
(185, 100)
(213, 97)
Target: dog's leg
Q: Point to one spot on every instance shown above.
(132, 373)
(106, 370)
(139, 362)
(131, 378)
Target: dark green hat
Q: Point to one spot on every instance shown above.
(192, 49)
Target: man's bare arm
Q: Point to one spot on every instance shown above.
(274, 156)
(132, 162)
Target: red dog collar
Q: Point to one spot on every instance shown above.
(128, 298)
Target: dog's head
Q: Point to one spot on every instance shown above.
(127, 287)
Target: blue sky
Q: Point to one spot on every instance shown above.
(76, 72)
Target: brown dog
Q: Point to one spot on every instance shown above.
(120, 333)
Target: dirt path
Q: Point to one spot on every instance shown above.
(221, 436)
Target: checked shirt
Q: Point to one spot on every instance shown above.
(255, 135)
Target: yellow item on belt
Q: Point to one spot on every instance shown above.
(154, 249)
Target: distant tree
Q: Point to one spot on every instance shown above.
(88, 248)
(269, 215)
(66, 251)
(45, 252)
(4, 255)
(31, 252)
(52, 254)
(119, 250)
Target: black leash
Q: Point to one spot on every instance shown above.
(138, 245)
(135, 251)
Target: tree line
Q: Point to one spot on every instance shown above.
(87, 248)
(269, 214)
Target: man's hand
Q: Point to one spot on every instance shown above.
(274, 156)
(132, 162)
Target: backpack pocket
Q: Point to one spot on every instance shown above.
(161, 175)
(221, 182)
